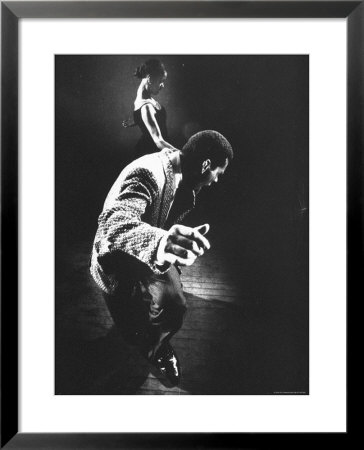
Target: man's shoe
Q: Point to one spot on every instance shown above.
(167, 363)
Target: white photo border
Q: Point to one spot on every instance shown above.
(324, 410)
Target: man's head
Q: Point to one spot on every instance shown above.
(205, 158)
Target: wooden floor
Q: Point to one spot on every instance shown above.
(229, 343)
(92, 358)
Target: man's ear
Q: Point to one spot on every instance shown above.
(205, 165)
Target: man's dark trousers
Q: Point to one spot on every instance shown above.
(149, 311)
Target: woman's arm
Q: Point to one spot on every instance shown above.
(148, 115)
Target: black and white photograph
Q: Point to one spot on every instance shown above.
(181, 224)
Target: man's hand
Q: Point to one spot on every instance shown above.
(185, 244)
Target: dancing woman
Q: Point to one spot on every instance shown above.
(149, 114)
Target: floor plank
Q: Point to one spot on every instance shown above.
(223, 348)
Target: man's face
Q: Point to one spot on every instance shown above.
(209, 176)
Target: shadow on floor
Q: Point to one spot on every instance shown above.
(224, 346)
(103, 366)
(210, 346)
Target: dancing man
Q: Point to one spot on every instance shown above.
(140, 245)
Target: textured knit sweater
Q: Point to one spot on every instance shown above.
(133, 217)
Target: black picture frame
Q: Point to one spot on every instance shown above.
(11, 12)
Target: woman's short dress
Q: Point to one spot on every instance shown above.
(146, 144)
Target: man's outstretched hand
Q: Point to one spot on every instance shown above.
(185, 244)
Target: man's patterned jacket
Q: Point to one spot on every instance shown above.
(133, 217)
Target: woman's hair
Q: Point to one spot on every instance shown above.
(208, 144)
(152, 67)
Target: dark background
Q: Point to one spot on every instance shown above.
(258, 213)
